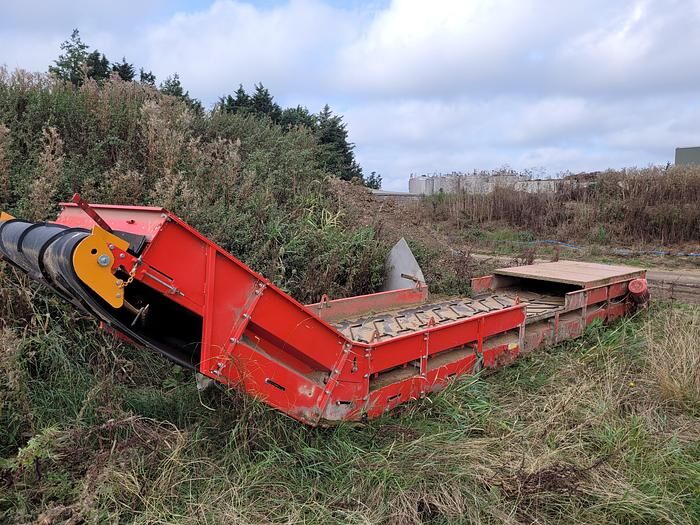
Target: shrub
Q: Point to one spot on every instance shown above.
(256, 188)
(651, 205)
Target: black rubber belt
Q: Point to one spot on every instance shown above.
(39, 245)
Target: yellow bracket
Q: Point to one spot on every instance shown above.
(5, 216)
(93, 260)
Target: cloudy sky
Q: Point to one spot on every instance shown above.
(425, 86)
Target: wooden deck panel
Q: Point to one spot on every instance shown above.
(583, 274)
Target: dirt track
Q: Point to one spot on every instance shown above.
(677, 285)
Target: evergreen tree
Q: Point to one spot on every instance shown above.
(173, 87)
(147, 77)
(240, 103)
(125, 70)
(339, 157)
(71, 64)
(374, 181)
(298, 116)
(263, 103)
(97, 66)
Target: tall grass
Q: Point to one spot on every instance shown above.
(96, 431)
(577, 434)
(651, 205)
(674, 362)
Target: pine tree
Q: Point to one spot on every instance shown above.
(147, 77)
(374, 181)
(339, 156)
(298, 116)
(238, 104)
(173, 87)
(242, 99)
(97, 66)
(263, 103)
(125, 70)
(71, 64)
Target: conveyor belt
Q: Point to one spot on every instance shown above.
(45, 252)
(385, 325)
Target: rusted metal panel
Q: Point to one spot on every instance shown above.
(481, 284)
(537, 335)
(618, 289)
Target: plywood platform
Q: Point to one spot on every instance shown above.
(583, 274)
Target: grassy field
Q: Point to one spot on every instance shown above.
(601, 430)
(604, 429)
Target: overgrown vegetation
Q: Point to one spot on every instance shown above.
(653, 205)
(255, 187)
(588, 432)
(76, 65)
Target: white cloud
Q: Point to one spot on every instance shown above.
(645, 46)
(425, 86)
(453, 47)
(286, 47)
(557, 134)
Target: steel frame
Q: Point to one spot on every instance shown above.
(256, 337)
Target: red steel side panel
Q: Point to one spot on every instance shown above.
(295, 327)
(537, 335)
(399, 350)
(500, 355)
(183, 257)
(356, 306)
(618, 289)
(617, 310)
(596, 295)
(133, 219)
(482, 284)
(277, 385)
(230, 293)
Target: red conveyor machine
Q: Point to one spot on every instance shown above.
(153, 279)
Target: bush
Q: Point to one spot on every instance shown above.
(652, 205)
(256, 188)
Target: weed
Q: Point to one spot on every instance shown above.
(651, 205)
(576, 433)
(674, 360)
(599, 430)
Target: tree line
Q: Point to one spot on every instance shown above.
(77, 63)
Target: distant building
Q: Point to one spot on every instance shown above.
(477, 183)
(688, 156)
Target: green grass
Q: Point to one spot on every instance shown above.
(582, 432)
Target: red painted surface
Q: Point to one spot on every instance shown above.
(481, 284)
(258, 338)
(356, 306)
(133, 219)
(639, 291)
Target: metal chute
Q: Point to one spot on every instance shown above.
(401, 268)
